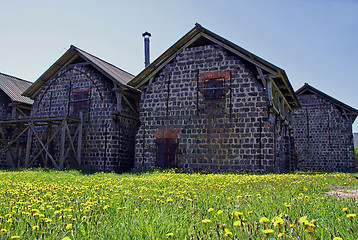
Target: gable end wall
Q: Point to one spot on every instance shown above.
(249, 138)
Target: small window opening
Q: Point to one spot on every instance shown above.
(214, 89)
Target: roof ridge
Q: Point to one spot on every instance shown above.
(76, 48)
(7, 75)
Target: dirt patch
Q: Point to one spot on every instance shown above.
(343, 192)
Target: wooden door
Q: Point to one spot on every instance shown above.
(166, 152)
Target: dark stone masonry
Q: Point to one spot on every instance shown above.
(204, 104)
(323, 132)
(231, 129)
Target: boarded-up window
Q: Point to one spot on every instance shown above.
(214, 89)
(81, 100)
(166, 152)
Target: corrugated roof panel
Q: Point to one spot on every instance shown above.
(14, 87)
(111, 71)
(120, 75)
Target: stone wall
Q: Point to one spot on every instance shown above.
(323, 136)
(235, 133)
(108, 142)
(5, 113)
(5, 110)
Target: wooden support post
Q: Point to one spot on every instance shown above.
(62, 145)
(13, 141)
(43, 146)
(48, 143)
(73, 141)
(28, 147)
(79, 141)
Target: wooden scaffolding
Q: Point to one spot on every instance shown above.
(37, 144)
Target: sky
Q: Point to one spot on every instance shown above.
(314, 41)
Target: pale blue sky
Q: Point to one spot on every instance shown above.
(315, 41)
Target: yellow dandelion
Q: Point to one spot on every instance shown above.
(303, 220)
(337, 238)
(281, 235)
(170, 234)
(249, 212)
(3, 230)
(206, 221)
(345, 209)
(210, 209)
(228, 233)
(66, 238)
(238, 214)
(69, 226)
(106, 207)
(264, 220)
(351, 215)
(267, 231)
(237, 223)
(36, 227)
(14, 237)
(310, 230)
(277, 221)
(220, 212)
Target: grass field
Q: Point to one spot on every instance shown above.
(47, 204)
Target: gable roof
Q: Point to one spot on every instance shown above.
(307, 88)
(114, 73)
(13, 87)
(198, 32)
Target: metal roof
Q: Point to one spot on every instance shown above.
(114, 73)
(279, 75)
(14, 87)
(308, 88)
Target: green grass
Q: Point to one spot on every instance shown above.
(47, 204)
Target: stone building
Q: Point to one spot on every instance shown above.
(323, 132)
(208, 104)
(88, 104)
(12, 106)
(12, 103)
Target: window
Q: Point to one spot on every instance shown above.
(81, 100)
(214, 89)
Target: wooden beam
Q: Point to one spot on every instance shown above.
(13, 141)
(62, 146)
(48, 143)
(130, 105)
(261, 76)
(43, 146)
(124, 92)
(70, 139)
(73, 141)
(28, 147)
(79, 141)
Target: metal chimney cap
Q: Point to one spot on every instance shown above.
(146, 34)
